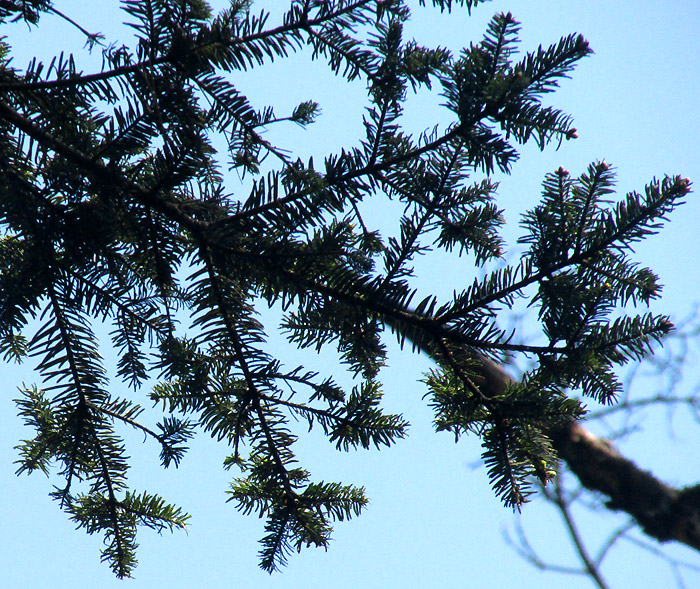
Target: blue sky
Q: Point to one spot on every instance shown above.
(433, 520)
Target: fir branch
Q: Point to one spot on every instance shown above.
(337, 181)
(115, 301)
(83, 80)
(129, 421)
(171, 208)
(254, 395)
(109, 240)
(407, 246)
(122, 563)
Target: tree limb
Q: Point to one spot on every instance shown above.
(663, 512)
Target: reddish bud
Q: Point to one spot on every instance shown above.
(572, 133)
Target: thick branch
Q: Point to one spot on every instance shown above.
(663, 512)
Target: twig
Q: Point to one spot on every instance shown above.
(588, 563)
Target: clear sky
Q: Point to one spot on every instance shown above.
(433, 520)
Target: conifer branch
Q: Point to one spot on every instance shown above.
(253, 394)
(417, 228)
(115, 302)
(121, 563)
(96, 242)
(341, 180)
(84, 80)
(171, 208)
(92, 38)
(116, 415)
(67, 347)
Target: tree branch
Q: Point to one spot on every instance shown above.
(663, 512)
(590, 566)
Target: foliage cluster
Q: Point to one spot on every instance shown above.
(112, 189)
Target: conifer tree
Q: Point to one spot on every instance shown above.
(115, 211)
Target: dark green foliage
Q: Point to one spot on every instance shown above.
(118, 520)
(115, 211)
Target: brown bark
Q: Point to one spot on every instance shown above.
(662, 511)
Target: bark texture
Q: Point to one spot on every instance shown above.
(663, 512)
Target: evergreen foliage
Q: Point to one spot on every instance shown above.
(114, 211)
